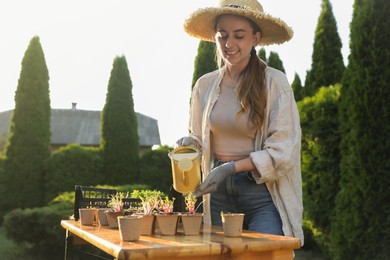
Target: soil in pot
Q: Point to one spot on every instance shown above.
(191, 223)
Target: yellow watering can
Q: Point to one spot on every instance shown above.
(185, 162)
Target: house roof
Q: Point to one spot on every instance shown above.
(75, 126)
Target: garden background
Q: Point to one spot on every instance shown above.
(345, 118)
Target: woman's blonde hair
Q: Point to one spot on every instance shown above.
(251, 90)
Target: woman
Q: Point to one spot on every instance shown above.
(245, 120)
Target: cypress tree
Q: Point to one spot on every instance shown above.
(273, 59)
(3, 142)
(204, 61)
(262, 54)
(275, 62)
(119, 140)
(28, 146)
(320, 156)
(297, 87)
(361, 227)
(327, 65)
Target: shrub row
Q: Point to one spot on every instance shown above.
(74, 164)
(71, 165)
(40, 227)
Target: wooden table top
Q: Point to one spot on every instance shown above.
(211, 243)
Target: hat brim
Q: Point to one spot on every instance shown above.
(273, 30)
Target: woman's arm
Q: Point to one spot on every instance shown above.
(245, 165)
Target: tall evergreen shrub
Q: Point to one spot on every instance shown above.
(361, 228)
(29, 142)
(2, 188)
(297, 87)
(3, 142)
(205, 60)
(120, 141)
(275, 62)
(320, 157)
(273, 59)
(327, 66)
(262, 54)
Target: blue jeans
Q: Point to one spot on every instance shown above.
(241, 194)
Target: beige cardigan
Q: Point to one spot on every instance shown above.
(277, 145)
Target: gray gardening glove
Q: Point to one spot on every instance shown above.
(186, 141)
(216, 176)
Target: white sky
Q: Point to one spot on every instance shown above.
(80, 40)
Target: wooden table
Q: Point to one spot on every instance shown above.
(210, 244)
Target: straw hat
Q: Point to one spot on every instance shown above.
(273, 30)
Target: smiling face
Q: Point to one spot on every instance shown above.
(235, 37)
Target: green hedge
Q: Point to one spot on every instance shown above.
(155, 169)
(73, 165)
(320, 160)
(40, 227)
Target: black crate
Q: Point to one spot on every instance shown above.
(86, 196)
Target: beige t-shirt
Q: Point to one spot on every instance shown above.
(231, 133)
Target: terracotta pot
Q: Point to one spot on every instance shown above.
(102, 216)
(167, 223)
(112, 218)
(232, 224)
(129, 227)
(191, 223)
(87, 216)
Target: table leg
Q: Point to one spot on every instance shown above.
(68, 246)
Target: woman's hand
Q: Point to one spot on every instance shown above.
(186, 141)
(216, 176)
